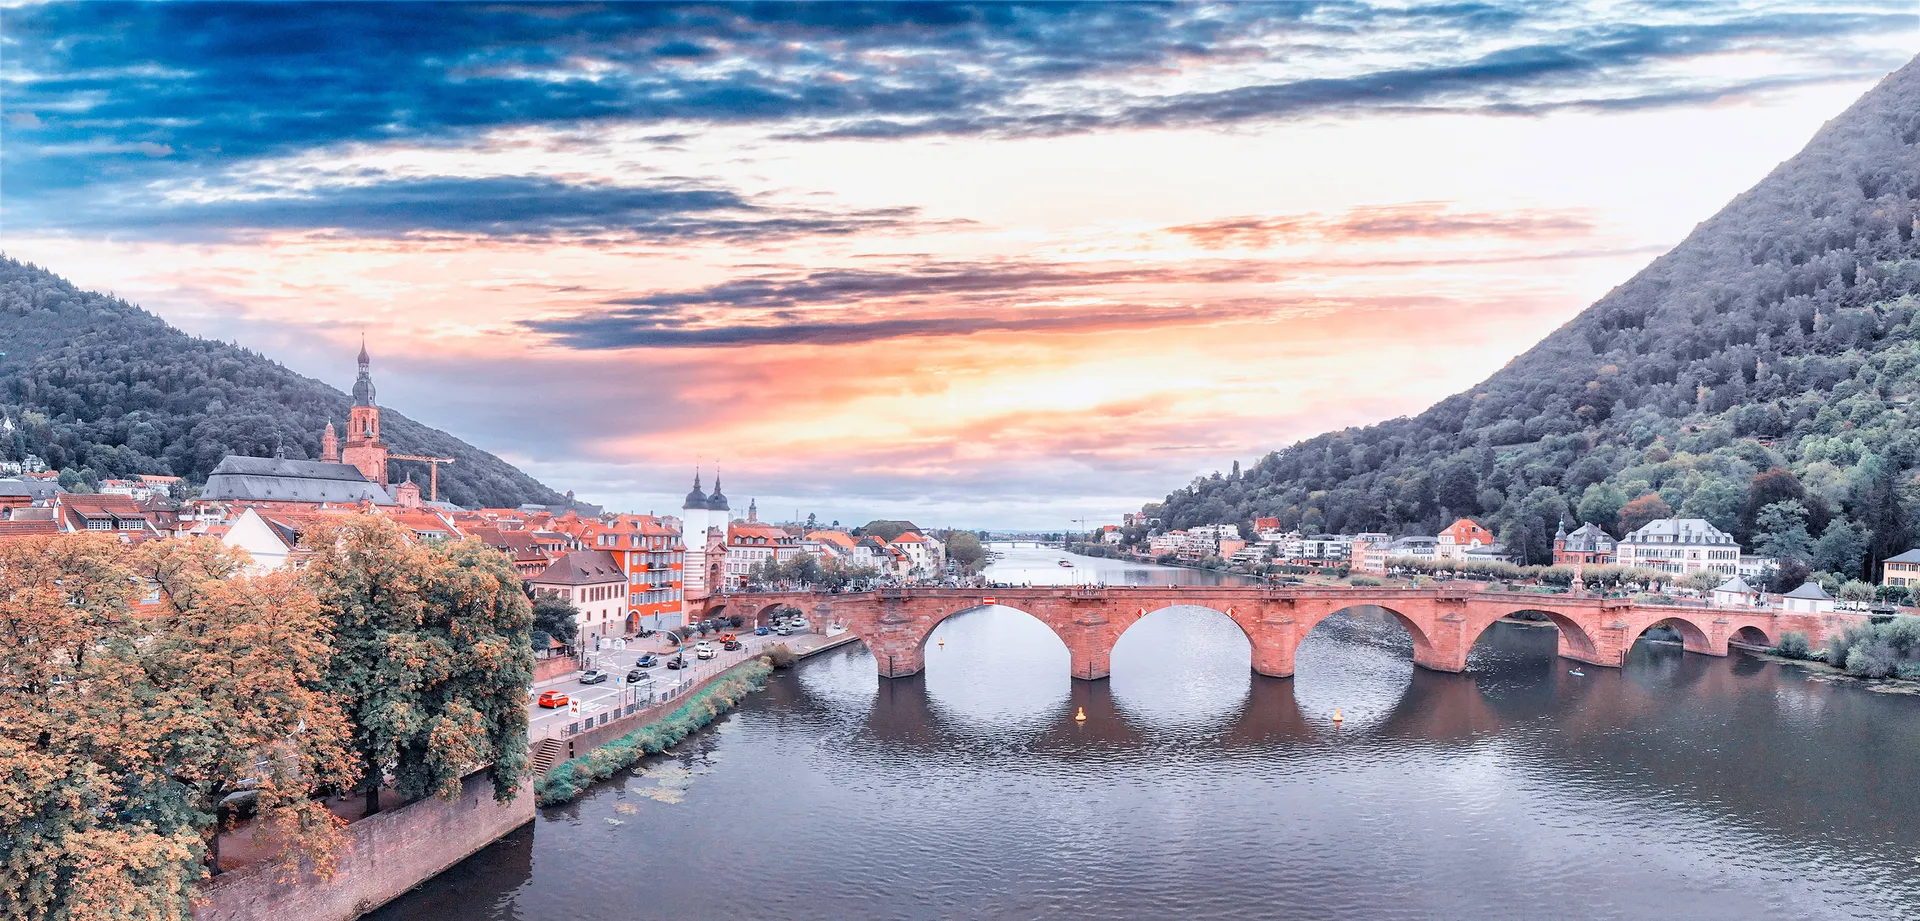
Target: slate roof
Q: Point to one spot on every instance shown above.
(1911, 556)
(581, 567)
(1810, 590)
(37, 490)
(1737, 585)
(274, 479)
(1589, 538)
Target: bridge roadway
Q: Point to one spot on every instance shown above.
(1444, 620)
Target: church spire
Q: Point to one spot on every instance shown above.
(363, 384)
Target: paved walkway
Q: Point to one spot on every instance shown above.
(660, 681)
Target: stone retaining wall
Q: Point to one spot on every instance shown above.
(387, 854)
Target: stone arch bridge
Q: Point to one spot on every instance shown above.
(1443, 620)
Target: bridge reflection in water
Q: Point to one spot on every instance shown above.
(1680, 785)
(1443, 622)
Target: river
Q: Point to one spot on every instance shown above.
(1680, 786)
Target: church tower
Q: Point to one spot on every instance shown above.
(364, 448)
(330, 445)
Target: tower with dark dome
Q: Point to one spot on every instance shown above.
(364, 449)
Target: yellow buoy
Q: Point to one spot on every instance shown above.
(1080, 714)
(943, 642)
(1336, 715)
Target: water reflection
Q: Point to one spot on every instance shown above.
(1680, 786)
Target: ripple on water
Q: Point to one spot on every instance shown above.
(1679, 787)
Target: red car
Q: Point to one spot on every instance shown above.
(553, 700)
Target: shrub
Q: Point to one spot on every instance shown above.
(779, 656)
(571, 778)
(1365, 580)
(1793, 645)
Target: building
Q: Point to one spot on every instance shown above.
(1588, 545)
(352, 475)
(1459, 538)
(1809, 598)
(1755, 567)
(595, 582)
(926, 556)
(700, 515)
(1416, 547)
(752, 544)
(652, 556)
(1680, 546)
(1735, 593)
(1902, 570)
(95, 513)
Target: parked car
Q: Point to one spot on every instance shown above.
(704, 651)
(638, 675)
(553, 699)
(732, 646)
(646, 660)
(761, 631)
(677, 662)
(592, 676)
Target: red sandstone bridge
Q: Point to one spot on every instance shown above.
(1443, 620)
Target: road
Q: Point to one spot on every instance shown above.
(599, 698)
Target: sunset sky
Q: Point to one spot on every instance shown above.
(984, 266)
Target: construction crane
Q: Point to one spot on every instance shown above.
(433, 471)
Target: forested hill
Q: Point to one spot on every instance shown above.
(1779, 334)
(95, 384)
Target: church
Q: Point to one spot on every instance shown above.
(353, 474)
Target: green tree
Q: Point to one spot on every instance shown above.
(887, 530)
(432, 655)
(555, 619)
(965, 549)
(1601, 504)
(1718, 500)
(1842, 548)
(1781, 531)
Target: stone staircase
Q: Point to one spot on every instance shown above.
(546, 754)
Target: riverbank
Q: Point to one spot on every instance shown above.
(571, 778)
(697, 710)
(1819, 670)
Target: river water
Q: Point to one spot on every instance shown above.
(1681, 786)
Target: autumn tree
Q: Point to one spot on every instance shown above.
(1636, 514)
(122, 735)
(432, 656)
(235, 664)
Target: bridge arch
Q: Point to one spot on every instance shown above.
(1693, 637)
(1576, 642)
(1754, 635)
(1240, 618)
(1422, 642)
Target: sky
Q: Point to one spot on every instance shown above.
(980, 265)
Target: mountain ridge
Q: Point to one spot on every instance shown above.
(1755, 343)
(97, 384)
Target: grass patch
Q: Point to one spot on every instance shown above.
(571, 778)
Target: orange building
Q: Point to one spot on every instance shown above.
(650, 553)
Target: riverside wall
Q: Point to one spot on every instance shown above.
(386, 855)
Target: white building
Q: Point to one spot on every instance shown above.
(699, 514)
(1736, 593)
(1681, 546)
(1809, 598)
(596, 585)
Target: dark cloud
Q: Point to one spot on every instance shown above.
(509, 207)
(1383, 222)
(835, 287)
(645, 327)
(106, 92)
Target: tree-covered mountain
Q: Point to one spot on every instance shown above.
(1760, 375)
(96, 385)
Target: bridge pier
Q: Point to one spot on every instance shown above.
(1091, 664)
